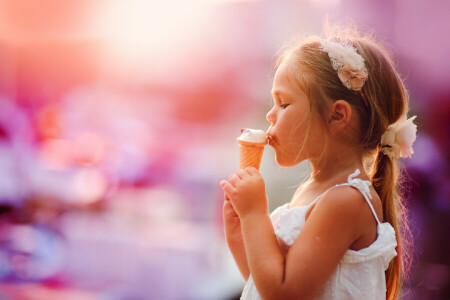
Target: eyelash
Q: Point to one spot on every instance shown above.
(280, 103)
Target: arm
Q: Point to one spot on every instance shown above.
(233, 234)
(259, 240)
(331, 228)
(265, 260)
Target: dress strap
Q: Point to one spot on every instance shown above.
(363, 187)
(318, 197)
(360, 185)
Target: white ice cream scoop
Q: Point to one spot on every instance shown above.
(253, 136)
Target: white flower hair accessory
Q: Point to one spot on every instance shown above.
(349, 64)
(398, 139)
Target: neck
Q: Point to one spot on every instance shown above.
(337, 165)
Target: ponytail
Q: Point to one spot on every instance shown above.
(384, 176)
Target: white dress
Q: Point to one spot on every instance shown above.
(360, 274)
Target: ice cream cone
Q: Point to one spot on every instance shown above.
(250, 154)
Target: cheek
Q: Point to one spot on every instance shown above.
(292, 129)
(292, 124)
(291, 133)
(305, 143)
(290, 150)
(317, 138)
(297, 133)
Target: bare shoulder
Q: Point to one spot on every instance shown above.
(336, 222)
(345, 207)
(343, 201)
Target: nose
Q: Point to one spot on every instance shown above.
(271, 116)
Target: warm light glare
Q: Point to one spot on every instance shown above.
(147, 29)
(89, 185)
(56, 154)
(88, 148)
(325, 3)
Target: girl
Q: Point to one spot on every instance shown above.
(340, 104)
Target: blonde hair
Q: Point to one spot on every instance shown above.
(388, 101)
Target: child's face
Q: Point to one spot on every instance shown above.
(289, 121)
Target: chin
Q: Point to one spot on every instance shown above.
(283, 162)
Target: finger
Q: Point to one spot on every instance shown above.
(222, 186)
(242, 174)
(228, 210)
(251, 170)
(234, 179)
(222, 183)
(227, 187)
(228, 206)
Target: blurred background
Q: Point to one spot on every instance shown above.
(118, 119)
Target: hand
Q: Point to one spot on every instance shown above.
(231, 222)
(246, 191)
(233, 234)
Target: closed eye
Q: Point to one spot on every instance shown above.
(284, 105)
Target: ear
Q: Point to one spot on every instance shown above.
(340, 115)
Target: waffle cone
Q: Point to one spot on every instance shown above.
(250, 154)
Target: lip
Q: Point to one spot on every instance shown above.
(271, 139)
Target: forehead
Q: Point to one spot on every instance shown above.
(284, 81)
